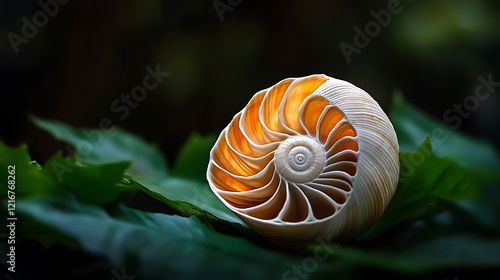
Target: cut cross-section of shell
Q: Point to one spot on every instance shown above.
(312, 159)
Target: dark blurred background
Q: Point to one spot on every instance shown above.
(85, 54)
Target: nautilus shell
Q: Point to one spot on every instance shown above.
(308, 160)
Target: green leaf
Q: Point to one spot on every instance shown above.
(456, 251)
(192, 160)
(156, 246)
(97, 146)
(486, 207)
(189, 197)
(412, 126)
(424, 180)
(89, 182)
(187, 192)
(29, 178)
(449, 240)
(186, 189)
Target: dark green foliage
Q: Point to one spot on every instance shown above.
(443, 216)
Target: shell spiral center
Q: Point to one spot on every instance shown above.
(299, 159)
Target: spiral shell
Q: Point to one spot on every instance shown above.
(308, 160)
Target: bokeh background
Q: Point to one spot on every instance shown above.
(89, 53)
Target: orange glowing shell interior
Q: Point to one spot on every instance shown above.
(308, 160)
